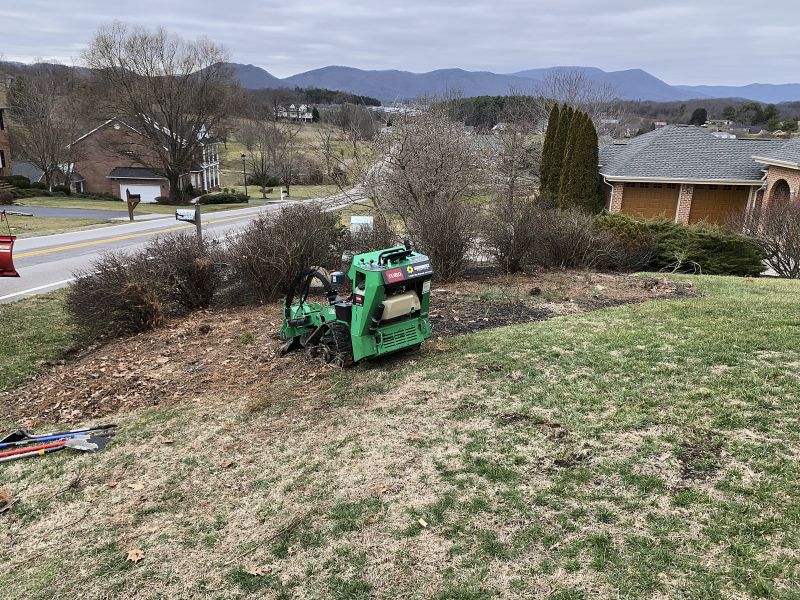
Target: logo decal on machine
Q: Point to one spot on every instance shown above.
(409, 272)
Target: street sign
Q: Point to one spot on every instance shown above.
(185, 214)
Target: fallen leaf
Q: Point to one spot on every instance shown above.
(112, 484)
(423, 523)
(6, 500)
(166, 440)
(258, 571)
(135, 555)
(136, 487)
(226, 464)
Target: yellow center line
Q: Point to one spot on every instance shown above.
(118, 238)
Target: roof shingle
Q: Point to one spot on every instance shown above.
(132, 173)
(685, 153)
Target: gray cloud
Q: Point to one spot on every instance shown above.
(714, 41)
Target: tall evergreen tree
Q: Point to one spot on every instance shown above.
(580, 185)
(546, 171)
(559, 148)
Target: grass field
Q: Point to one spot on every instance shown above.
(29, 226)
(644, 451)
(34, 330)
(117, 205)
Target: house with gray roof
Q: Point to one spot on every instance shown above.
(688, 174)
(113, 159)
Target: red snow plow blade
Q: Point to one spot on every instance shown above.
(6, 256)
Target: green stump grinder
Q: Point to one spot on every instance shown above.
(386, 312)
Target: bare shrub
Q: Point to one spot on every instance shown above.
(427, 171)
(183, 273)
(6, 198)
(567, 239)
(113, 300)
(273, 248)
(445, 232)
(776, 229)
(508, 231)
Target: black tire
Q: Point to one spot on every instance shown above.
(338, 340)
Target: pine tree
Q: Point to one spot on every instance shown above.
(580, 185)
(546, 171)
(559, 148)
(571, 158)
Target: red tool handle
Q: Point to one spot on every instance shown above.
(28, 449)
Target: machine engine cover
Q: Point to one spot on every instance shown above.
(400, 305)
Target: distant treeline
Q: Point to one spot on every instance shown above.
(311, 96)
(746, 112)
(484, 112)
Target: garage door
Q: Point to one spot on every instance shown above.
(650, 200)
(149, 193)
(718, 203)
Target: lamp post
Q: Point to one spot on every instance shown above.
(244, 170)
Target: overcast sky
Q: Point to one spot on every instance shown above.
(681, 41)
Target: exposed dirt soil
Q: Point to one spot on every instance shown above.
(235, 350)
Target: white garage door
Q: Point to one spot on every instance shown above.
(149, 193)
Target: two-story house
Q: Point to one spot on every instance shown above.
(107, 157)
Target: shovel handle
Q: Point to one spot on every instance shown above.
(32, 449)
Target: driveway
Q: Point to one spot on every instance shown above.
(73, 213)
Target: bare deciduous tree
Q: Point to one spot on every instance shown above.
(271, 148)
(45, 123)
(574, 88)
(776, 227)
(507, 229)
(170, 90)
(426, 171)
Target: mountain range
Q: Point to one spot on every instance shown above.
(391, 85)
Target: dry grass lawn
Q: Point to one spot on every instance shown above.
(642, 451)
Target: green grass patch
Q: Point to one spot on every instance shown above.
(34, 330)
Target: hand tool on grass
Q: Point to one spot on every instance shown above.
(83, 443)
(22, 437)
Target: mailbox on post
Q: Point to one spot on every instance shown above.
(191, 215)
(185, 214)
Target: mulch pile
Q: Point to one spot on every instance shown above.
(235, 350)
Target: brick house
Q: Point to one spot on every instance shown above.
(5, 144)
(688, 174)
(105, 158)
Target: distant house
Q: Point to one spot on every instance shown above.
(35, 175)
(106, 159)
(5, 145)
(688, 174)
(719, 123)
(303, 113)
(658, 124)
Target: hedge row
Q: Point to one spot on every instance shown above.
(698, 248)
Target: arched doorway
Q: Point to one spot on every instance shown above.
(780, 192)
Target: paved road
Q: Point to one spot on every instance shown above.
(48, 262)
